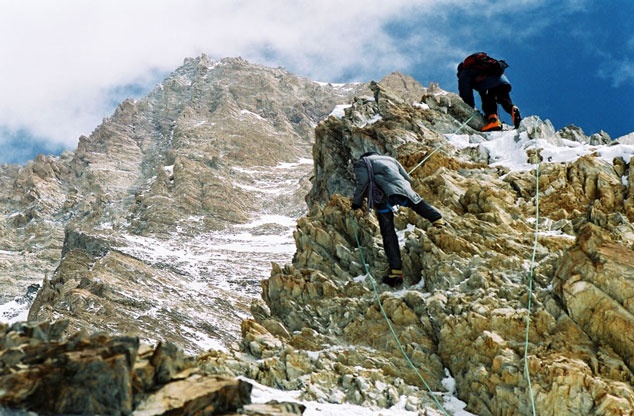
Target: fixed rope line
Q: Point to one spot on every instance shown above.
(532, 266)
(530, 285)
(440, 145)
(387, 319)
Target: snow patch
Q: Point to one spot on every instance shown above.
(508, 149)
(250, 113)
(339, 110)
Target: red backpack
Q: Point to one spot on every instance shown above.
(483, 64)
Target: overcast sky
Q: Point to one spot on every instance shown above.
(66, 64)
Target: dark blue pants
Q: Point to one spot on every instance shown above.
(385, 217)
(494, 96)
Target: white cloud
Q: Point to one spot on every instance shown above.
(617, 65)
(62, 59)
(618, 72)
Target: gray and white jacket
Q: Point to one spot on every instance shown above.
(389, 175)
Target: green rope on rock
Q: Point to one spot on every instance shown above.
(530, 286)
(387, 319)
(440, 145)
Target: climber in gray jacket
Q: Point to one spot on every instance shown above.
(386, 184)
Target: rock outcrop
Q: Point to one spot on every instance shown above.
(492, 301)
(104, 375)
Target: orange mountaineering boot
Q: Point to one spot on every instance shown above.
(493, 123)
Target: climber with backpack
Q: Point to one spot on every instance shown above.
(485, 74)
(383, 181)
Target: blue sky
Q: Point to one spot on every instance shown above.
(68, 63)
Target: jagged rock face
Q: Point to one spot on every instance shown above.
(196, 140)
(465, 306)
(102, 375)
(34, 202)
(141, 210)
(387, 124)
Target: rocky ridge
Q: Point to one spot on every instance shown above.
(321, 327)
(465, 308)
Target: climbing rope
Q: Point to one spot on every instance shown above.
(532, 266)
(530, 283)
(530, 286)
(387, 319)
(440, 145)
(376, 293)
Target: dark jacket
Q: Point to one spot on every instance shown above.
(389, 175)
(470, 79)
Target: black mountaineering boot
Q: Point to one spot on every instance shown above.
(394, 278)
(516, 116)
